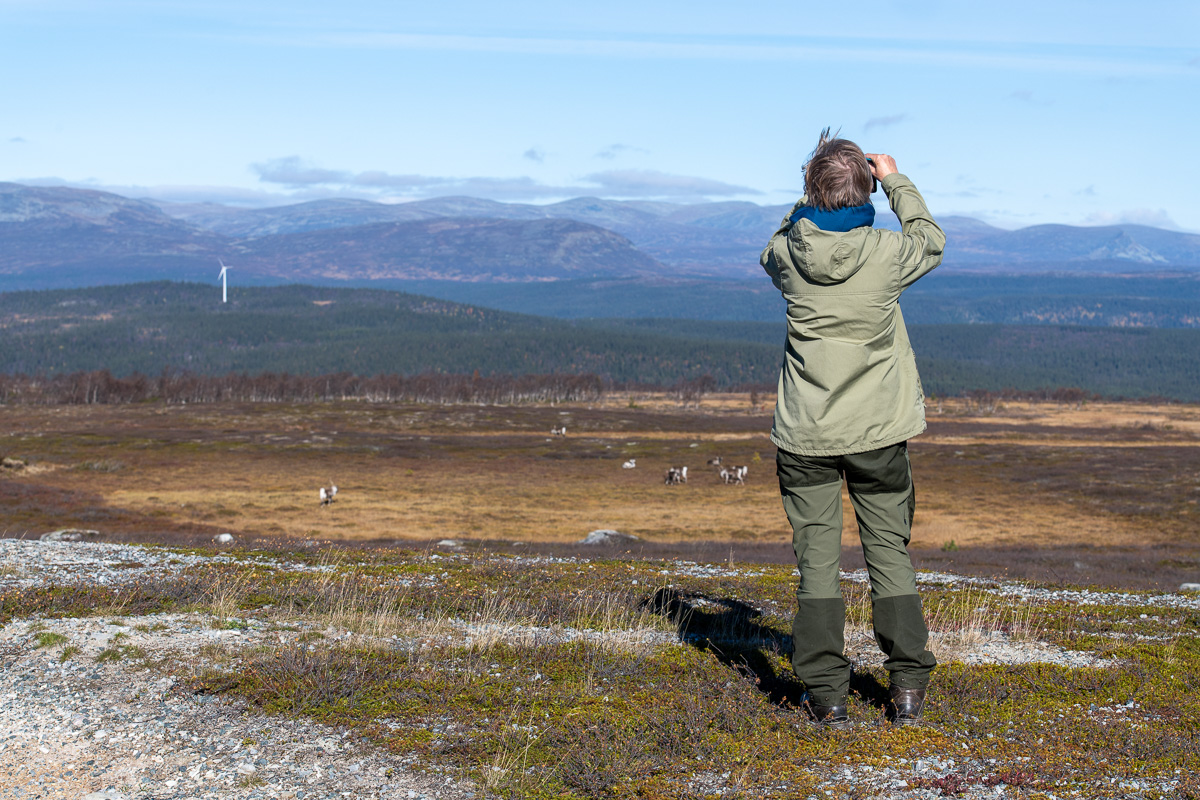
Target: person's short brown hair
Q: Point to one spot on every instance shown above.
(837, 174)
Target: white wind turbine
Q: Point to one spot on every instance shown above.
(224, 281)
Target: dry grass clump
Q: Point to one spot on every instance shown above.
(958, 621)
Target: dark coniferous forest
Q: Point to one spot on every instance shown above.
(310, 331)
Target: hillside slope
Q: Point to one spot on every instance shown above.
(313, 330)
(449, 249)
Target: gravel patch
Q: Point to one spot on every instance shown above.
(26, 562)
(77, 726)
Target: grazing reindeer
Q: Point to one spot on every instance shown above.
(715, 461)
(734, 474)
(630, 464)
(676, 475)
(557, 431)
(328, 495)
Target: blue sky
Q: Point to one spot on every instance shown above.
(1017, 113)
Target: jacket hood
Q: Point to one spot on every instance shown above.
(829, 257)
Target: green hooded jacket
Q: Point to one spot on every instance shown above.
(849, 379)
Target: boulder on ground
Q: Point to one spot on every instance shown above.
(449, 543)
(1189, 587)
(605, 536)
(67, 535)
(223, 538)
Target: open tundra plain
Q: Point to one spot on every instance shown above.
(439, 631)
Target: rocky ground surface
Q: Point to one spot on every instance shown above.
(87, 723)
(76, 727)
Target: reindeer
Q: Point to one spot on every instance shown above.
(715, 461)
(328, 495)
(675, 476)
(734, 474)
(557, 431)
(630, 464)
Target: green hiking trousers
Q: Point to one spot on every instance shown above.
(882, 493)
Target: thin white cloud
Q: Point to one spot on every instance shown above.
(17, 140)
(292, 172)
(1037, 58)
(651, 183)
(884, 122)
(614, 150)
(1154, 217)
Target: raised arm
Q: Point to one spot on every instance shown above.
(923, 241)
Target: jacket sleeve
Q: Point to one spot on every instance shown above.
(922, 241)
(769, 260)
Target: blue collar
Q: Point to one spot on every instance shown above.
(841, 220)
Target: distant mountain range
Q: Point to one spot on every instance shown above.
(57, 237)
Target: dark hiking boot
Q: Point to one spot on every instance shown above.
(833, 717)
(907, 705)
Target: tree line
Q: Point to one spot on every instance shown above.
(171, 387)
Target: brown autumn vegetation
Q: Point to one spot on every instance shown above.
(1003, 485)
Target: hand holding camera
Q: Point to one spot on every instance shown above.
(881, 165)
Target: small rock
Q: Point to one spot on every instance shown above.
(223, 538)
(605, 536)
(67, 535)
(107, 794)
(1189, 587)
(246, 769)
(449, 543)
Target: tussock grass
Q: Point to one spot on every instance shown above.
(49, 639)
(121, 652)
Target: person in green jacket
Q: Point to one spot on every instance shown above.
(849, 401)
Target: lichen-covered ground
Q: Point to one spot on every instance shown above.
(310, 672)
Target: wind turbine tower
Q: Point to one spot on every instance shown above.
(224, 281)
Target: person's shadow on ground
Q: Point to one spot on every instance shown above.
(731, 631)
